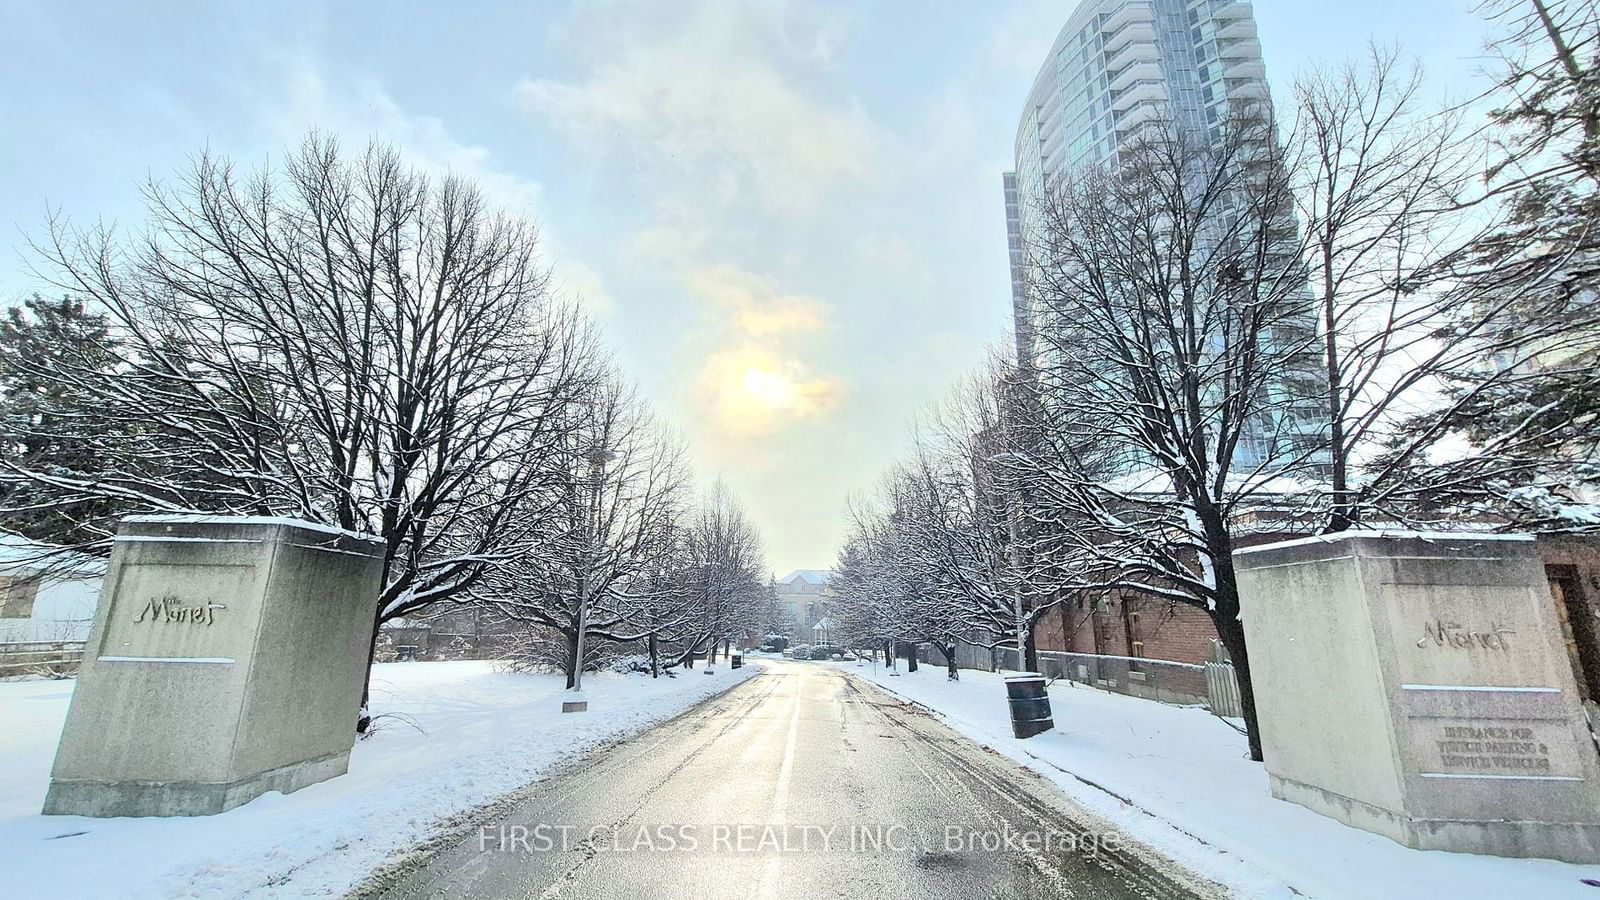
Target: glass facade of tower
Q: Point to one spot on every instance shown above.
(1117, 67)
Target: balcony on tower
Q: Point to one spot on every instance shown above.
(1129, 13)
(1130, 122)
(1244, 67)
(1136, 29)
(1233, 22)
(1247, 89)
(1129, 52)
(1137, 93)
(1142, 70)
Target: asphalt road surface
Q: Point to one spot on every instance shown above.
(801, 782)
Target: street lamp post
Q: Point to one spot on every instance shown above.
(1014, 533)
(574, 700)
(1016, 585)
(711, 648)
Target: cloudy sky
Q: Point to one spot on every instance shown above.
(786, 215)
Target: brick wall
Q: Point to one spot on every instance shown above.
(1174, 631)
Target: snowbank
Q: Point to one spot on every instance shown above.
(1179, 779)
(482, 734)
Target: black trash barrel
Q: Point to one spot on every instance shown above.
(737, 661)
(1030, 705)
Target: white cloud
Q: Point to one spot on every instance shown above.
(753, 303)
(714, 112)
(705, 96)
(678, 231)
(576, 281)
(772, 224)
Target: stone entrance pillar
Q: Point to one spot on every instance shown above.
(225, 661)
(1417, 686)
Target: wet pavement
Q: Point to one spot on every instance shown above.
(800, 782)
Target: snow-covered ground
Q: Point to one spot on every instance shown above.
(482, 734)
(1189, 790)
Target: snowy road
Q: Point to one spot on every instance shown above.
(801, 782)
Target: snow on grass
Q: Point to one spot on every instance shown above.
(482, 734)
(1192, 793)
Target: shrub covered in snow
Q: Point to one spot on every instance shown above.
(631, 664)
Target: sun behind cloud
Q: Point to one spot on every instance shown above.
(750, 391)
(768, 389)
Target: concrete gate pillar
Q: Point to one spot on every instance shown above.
(225, 661)
(1418, 686)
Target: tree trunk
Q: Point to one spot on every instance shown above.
(910, 651)
(1224, 611)
(572, 657)
(655, 668)
(1030, 656)
(364, 716)
(1342, 516)
(711, 652)
(1231, 632)
(949, 652)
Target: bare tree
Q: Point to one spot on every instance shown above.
(1164, 289)
(963, 515)
(1416, 316)
(946, 552)
(341, 339)
(726, 570)
(1381, 189)
(619, 496)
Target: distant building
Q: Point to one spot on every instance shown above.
(45, 596)
(804, 596)
(447, 631)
